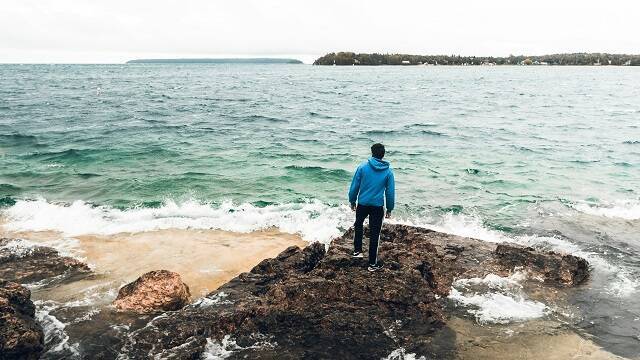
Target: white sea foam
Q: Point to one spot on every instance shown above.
(401, 354)
(19, 247)
(55, 337)
(217, 299)
(622, 285)
(218, 350)
(499, 308)
(620, 209)
(496, 299)
(313, 220)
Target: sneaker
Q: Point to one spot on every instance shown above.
(356, 254)
(374, 267)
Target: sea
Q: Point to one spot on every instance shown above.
(547, 157)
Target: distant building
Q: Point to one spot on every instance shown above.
(406, 62)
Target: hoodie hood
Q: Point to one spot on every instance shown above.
(377, 164)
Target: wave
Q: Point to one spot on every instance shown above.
(68, 154)
(318, 171)
(7, 201)
(312, 220)
(621, 209)
(270, 119)
(379, 132)
(9, 188)
(19, 139)
(431, 133)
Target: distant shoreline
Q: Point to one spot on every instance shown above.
(217, 61)
(574, 59)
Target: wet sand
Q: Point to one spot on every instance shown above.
(536, 339)
(205, 259)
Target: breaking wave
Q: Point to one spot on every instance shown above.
(621, 209)
(312, 220)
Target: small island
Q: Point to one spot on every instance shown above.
(576, 59)
(264, 61)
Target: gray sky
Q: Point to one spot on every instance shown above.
(103, 31)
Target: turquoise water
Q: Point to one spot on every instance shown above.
(547, 156)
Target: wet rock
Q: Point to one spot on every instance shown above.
(557, 269)
(26, 264)
(155, 291)
(20, 336)
(308, 303)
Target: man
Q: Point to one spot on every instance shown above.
(371, 184)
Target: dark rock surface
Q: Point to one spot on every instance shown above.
(20, 336)
(39, 263)
(155, 291)
(558, 269)
(306, 303)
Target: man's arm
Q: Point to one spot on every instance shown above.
(354, 189)
(390, 193)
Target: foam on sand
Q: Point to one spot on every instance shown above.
(496, 299)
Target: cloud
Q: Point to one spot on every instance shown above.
(116, 30)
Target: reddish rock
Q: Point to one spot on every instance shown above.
(155, 291)
(20, 336)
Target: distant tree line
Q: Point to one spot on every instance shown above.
(217, 61)
(350, 58)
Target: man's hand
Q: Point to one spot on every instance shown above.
(388, 215)
(353, 207)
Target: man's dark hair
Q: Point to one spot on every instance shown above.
(377, 150)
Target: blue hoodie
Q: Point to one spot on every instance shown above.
(372, 180)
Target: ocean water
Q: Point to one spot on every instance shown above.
(542, 156)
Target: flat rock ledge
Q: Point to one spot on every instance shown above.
(316, 304)
(155, 291)
(33, 264)
(20, 336)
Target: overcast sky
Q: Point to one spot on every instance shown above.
(103, 31)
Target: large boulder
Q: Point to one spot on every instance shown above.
(20, 336)
(155, 291)
(25, 262)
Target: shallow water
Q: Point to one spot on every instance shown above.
(543, 156)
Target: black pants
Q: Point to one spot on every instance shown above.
(375, 214)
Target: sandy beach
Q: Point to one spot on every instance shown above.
(205, 259)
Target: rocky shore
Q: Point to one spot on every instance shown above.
(318, 303)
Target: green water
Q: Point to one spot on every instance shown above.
(546, 155)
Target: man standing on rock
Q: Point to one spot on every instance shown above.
(371, 184)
